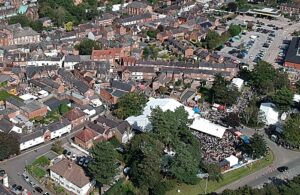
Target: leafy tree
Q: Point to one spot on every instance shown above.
(234, 30)
(214, 172)
(162, 90)
(291, 132)
(184, 166)
(63, 108)
(57, 147)
(69, 26)
(9, 145)
(102, 166)
(244, 74)
(251, 115)
(283, 99)
(263, 76)
(144, 154)
(222, 93)
(258, 146)
(232, 6)
(232, 120)
(214, 40)
(86, 46)
(131, 104)
(26, 22)
(151, 34)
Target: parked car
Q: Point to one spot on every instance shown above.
(282, 169)
(2, 172)
(38, 189)
(81, 161)
(74, 157)
(46, 193)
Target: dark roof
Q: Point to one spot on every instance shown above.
(31, 136)
(5, 125)
(53, 103)
(186, 95)
(15, 102)
(121, 85)
(105, 122)
(293, 53)
(123, 127)
(58, 125)
(118, 93)
(137, 4)
(71, 58)
(96, 127)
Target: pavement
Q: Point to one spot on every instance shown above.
(15, 166)
(283, 157)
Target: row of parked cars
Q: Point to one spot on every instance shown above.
(33, 185)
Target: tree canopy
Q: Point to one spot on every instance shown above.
(86, 46)
(102, 166)
(26, 22)
(214, 40)
(63, 108)
(9, 145)
(232, 120)
(258, 146)
(131, 104)
(291, 132)
(222, 93)
(234, 30)
(283, 99)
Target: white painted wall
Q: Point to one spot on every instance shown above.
(70, 186)
(60, 132)
(31, 143)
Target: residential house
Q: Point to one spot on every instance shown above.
(105, 20)
(57, 129)
(7, 126)
(136, 19)
(34, 109)
(76, 116)
(138, 73)
(32, 139)
(86, 138)
(137, 7)
(72, 177)
(70, 62)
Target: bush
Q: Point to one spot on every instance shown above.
(41, 161)
(57, 147)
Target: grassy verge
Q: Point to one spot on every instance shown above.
(228, 178)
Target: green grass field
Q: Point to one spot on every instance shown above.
(228, 178)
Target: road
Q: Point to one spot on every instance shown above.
(15, 166)
(283, 157)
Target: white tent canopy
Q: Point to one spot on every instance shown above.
(233, 160)
(269, 112)
(205, 126)
(237, 82)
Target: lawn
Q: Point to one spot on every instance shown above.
(41, 161)
(36, 171)
(228, 178)
(4, 95)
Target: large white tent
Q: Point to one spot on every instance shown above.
(205, 126)
(142, 122)
(269, 112)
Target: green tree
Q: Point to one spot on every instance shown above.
(86, 46)
(252, 116)
(232, 6)
(151, 34)
(102, 166)
(222, 93)
(9, 145)
(57, 147)
(214, 172)
(283, 99)
(63, 108)
(291, 132)
(234, 30)
(262, 77)
(131, 104)
(258, 146)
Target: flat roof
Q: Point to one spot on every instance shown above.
(205, 126)
(28, 96)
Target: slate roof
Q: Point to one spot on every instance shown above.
(187, 94)
(15, 102)
(96, 127)
(121, 85)
(31, 136)
(5, 125)
(54, 103)
(71, 172)
(32, 106)
(106, 122)
(293, 53)
(71, 58)
(58, 125)
(118, 93)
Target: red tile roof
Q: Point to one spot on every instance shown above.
(86, 135)
(74, 114)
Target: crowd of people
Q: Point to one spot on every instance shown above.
(217, 149)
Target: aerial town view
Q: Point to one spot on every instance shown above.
(150, 97)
